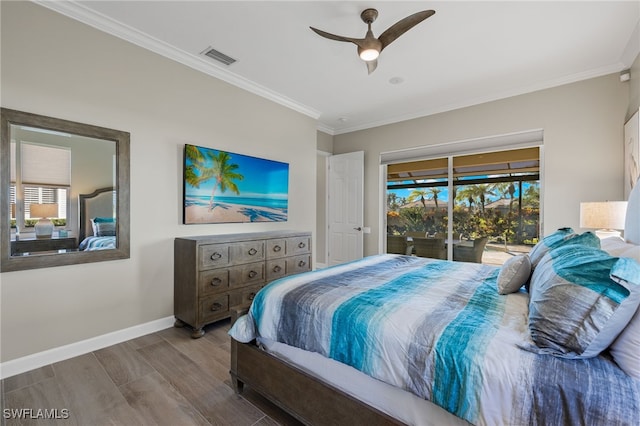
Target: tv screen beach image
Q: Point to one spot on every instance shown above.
(225, 187)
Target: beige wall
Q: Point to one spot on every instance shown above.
(55, 66)
(583, 144)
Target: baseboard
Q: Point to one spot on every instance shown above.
(321, 265)
(50, 356)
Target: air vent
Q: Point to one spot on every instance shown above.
(218, 56)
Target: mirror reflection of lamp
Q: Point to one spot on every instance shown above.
(44, 226)
(607, 216)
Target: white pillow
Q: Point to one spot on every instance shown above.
(625, 350)
(514, 274)
(618, 247)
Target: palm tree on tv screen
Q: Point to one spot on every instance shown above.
(223, 172)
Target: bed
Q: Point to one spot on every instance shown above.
(549, 338)
(97, 229)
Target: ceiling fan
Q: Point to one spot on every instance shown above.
(369, 47)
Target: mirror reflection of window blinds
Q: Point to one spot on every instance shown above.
(44, 169)
(45, 165)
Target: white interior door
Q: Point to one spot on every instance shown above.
(346, 199)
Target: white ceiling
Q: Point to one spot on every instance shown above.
(469, 52)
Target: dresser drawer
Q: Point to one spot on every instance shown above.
(213, 281)
(214, 308)
(243, 275)
(244, 297)
(298, 264)
(213, 256)
(248, 251)
(276, 268)
(276, 248)
(298, 245)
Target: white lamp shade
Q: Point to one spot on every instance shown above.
(43, 210)
(603, 215)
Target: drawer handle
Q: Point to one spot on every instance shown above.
(252, 251)
(277, 268)
(252, 274)
(216, 281)
(216, 306)
(302, 263)
(216, 256)
(277, 248)
(301, 245)
(251, 296)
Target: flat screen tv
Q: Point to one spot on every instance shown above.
(225, 187)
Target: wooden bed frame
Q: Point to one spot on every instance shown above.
(296, 392)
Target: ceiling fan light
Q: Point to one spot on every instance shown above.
(369, 54)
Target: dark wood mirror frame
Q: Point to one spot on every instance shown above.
(8, 263)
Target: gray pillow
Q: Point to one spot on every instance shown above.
(514, 273)
(581, 299)
(105, 229)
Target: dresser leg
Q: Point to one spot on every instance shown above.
(179, 323)
(236, 383)
(197, 333)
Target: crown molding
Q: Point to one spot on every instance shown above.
(110, 26)
(632, 50)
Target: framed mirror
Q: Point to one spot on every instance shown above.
(65, 196)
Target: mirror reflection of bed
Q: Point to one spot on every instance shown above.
(97, 229)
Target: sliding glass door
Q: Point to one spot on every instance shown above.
(484, 207)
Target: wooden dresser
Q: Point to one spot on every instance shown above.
(213, 273)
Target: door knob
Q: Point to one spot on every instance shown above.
(358, 228)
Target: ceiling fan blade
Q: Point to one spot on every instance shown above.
(402, 26)
(372, 65)
(325, 34)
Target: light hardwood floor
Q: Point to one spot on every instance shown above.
(164, 378)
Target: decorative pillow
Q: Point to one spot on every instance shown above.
(514, 273)
(103, 219)
(626, 349)
(544, 245)
(616, 246)
(559, 238)
(96, 220)
(105, 229)
(581, 299)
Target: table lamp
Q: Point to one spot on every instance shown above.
(607, 217)
(44, 226)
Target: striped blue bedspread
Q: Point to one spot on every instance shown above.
(440, 330)
(98, 243)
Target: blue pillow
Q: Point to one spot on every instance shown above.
(581, 299)
(559, 238)
(103, 219)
